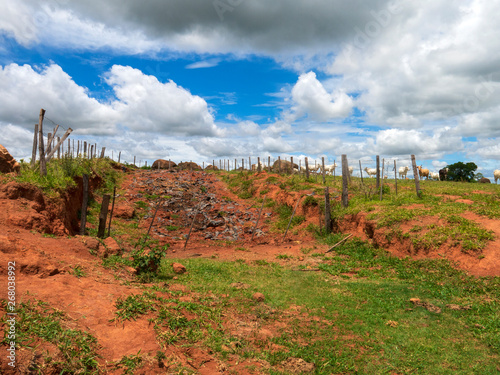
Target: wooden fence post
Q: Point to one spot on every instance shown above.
(307, 168)
(259, 169)
(58, 149)
(103, 216)
(395, 176)
(361, 172)
(59, 144)
(378, 172)
(345, 191)
(334, 169)
(41, 149)
(415, 175)
(291, 165)
(382, 182)
(85, 149)
(328, 218)
(112, 209)
(35, 144)
(119, 157)
(49, 143)
(85, 200)
(269, 163)
(323, 169)
(242, 164)
(279, 164)
(69, 146)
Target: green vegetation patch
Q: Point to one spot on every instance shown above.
(75, 350)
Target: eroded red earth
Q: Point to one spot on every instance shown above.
(45, 264)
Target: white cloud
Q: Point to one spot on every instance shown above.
(210, 63)
(147, 104)
(311, 98)
(142, 102)
(424, 146)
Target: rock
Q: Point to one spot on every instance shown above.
(286, 166)
(132, 270)
(7, 163)
(189, 165)
(259, 297)
(89, 242)
(112, 247)
(178, 268)
(163, 164)
(484, 180)
(124, 211)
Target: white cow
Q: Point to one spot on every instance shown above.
(371, 171)
(351, 170)
(434, 176)
(496, 174)
(328, 168)
(403, 171)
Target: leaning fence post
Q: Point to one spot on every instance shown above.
(85, 200)
(345, 191)
(33, 153)
(111, 213)
(415, 175)
(103, 215)
(152, 220)
(41, 150)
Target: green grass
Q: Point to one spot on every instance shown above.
(76, 351)
(61, 174)
(344, 323)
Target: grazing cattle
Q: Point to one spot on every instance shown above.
(351, 170)
(403, 171)
(434, 176)
(496, 174)
(328, 168)
(484, 180)
(443, 174)
(371, 171)
(422, 172)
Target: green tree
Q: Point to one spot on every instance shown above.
(461, 171)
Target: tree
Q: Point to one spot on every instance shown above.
(461, 171)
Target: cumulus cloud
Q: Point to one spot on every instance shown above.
(147, 104)
(311, 98)
(142, 103)
(404, 142)
(25, 89)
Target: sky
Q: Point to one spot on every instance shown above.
(230, 79)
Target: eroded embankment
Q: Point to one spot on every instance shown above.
(26, 206)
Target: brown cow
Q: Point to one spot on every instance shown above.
(423, 172)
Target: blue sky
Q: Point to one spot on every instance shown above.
(203, 80)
